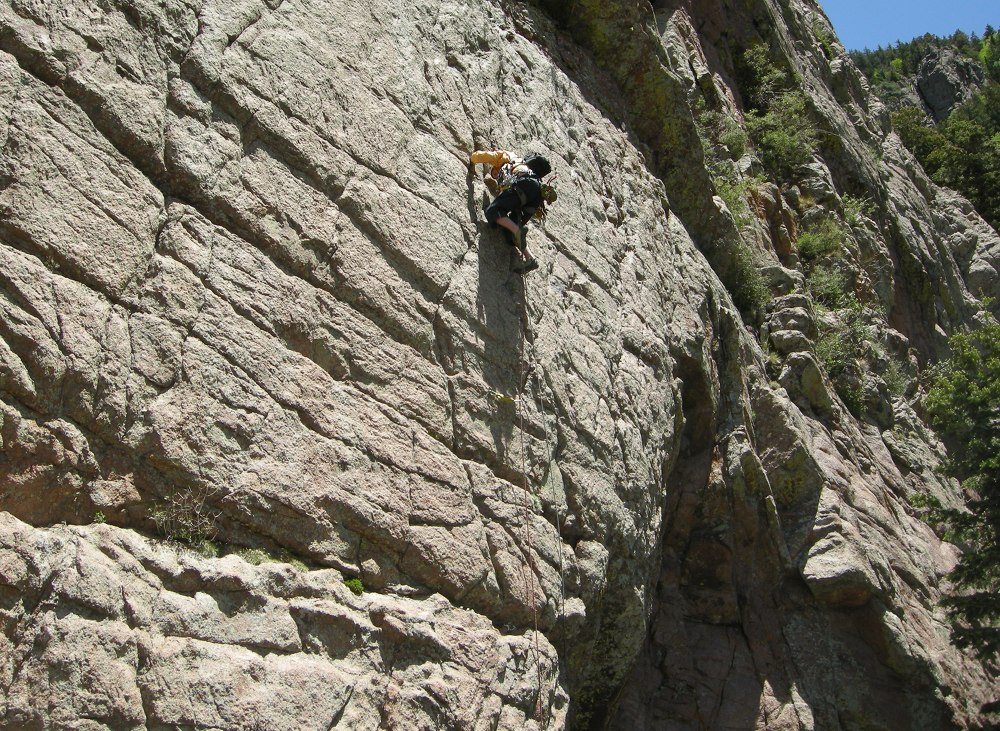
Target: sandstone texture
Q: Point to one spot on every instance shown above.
(249, 305)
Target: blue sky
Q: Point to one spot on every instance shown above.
(874, 23)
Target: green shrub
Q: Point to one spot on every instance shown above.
(852, 392)
(355, 585)
(746, 284)
(258, 556)
(829, 286)
(296, 563)
(760, 78)
(857, 209)
(784, 136)
(896, 378)
(723, 142)
(834, 352)
(839, 359)
(963, 403)
(722, 136)
(778, 118)
(858, 328)
(963, 151)
(206, 548)
(841, 351)
(825, 238)
(734, 139)
(254, 556)
(735, 192)
(989, 56)
(824, 37)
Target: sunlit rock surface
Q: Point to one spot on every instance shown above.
(245, 278)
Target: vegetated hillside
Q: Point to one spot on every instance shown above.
(945, 96)
(888, 69)
(287, 445)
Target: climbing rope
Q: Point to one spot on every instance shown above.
(555, 499)
(537, 393)
(530, 561)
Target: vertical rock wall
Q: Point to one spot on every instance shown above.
(797, 588)
(245, 281)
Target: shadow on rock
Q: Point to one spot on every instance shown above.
(498, 307)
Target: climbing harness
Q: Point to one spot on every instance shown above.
(508, 175)
(532, 165)
(548, 192)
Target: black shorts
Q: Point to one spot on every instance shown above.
(509, 203)
(506, 204)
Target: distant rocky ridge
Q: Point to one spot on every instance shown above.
(245, 280)
(943, 81)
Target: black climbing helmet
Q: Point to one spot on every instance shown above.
(538, 165)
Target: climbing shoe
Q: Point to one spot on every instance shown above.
(526, 266)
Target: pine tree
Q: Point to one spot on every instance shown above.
(965, 403)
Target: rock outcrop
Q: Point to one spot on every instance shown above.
(249, 304)
(135, 634)
(945, 80)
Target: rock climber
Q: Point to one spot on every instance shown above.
(520, 195)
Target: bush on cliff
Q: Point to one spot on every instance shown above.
(821, 239)
(989, 54)
(724, 142)
(842, 351)
(778, 120)
(784, 136)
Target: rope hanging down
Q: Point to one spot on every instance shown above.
(529, 564)
(528, 568)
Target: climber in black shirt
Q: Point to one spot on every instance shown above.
(522, 196)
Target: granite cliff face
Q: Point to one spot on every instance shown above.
(248, 295)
